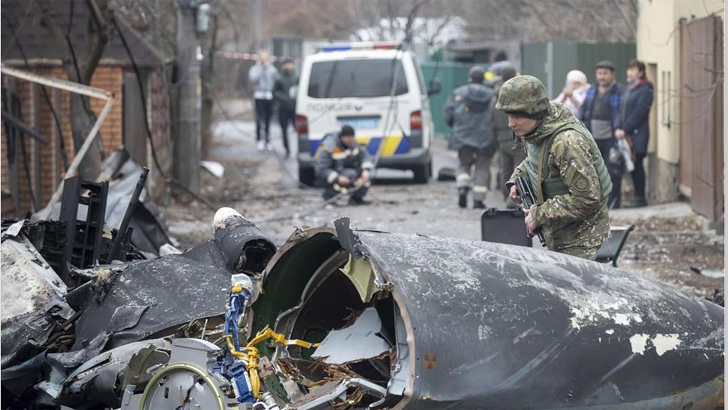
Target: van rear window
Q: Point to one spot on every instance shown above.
(356, 78)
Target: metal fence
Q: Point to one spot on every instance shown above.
(451, 75)
(551, 61)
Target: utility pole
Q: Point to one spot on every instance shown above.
(258, 24)
(187, 145)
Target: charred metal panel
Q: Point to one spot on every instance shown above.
(169, 291)
(499, 325)
(154, 296)
(493, 326)
(33, 300)
(244, 245)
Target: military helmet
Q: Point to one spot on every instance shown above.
(524, 94)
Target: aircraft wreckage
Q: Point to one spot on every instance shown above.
(344, 319)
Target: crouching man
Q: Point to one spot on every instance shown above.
(342, 165)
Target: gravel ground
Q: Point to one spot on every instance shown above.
(670, 242)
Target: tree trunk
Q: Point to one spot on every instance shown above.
(80, 64)
(81, 123)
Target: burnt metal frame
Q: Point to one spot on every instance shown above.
(83, 237)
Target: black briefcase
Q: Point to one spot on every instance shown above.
(504, 226)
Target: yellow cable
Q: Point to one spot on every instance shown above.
(251, 354)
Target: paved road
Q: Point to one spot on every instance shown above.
(398, 204)
(263, 187)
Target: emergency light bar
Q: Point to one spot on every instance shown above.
(385, 45)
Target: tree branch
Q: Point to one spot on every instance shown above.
(48, 20)
(96, 38)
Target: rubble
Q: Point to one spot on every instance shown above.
(476, 325)
(348, 319)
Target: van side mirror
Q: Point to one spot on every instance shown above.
(434, 87)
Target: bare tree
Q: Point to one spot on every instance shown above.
(538, 20)
(80, 65)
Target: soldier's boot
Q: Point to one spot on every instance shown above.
(463, 196)
(637, 202)
(479, 194)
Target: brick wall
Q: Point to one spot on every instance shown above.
(158, 111)
(108, 78)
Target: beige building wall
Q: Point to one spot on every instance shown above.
(658, 42)
(658, 45)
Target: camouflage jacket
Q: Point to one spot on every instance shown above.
(575, 222)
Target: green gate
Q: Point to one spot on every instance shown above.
(451, 76)
(550, 62)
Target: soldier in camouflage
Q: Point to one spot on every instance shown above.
(563, 166)
(510, 148)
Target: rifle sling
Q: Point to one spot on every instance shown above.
(539, 190)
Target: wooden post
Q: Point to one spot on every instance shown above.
(36, 145)
(188, 142)
(13, 163)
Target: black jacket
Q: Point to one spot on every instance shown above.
(636, 104)
(284, 90)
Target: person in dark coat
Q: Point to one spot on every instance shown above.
(343, 165)
(284, 91)
(636, 104)
(600, 112)
(467, 114)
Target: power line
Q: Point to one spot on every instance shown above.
(244, 132)
(375, 160)
(168, 178)
(59, 128)
(22, 24)
(84, 99)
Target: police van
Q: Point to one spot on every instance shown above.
(378, 90)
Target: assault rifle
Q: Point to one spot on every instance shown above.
(526, 194)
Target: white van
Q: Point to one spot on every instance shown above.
(352, 84)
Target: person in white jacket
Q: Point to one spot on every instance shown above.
(263, 76)
(574, 92)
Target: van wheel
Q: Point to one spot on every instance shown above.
(423, 173)
(306, 176)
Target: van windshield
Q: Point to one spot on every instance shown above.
(356, 78)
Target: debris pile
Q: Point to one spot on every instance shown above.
(343, 319)
(79, 297)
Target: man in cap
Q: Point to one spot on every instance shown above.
(600, 112)
(466, 112)
(343, 165)
(563, 167)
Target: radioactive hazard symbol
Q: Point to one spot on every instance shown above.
(430, 361)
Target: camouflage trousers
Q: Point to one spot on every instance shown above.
(580, 252)
(511, 156)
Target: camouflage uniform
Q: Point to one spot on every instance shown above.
(572, 211)
(510, 149)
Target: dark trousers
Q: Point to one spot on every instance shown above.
(286, 116)
(263, 113)
(638, 176)
(334, 189)
(615, 198)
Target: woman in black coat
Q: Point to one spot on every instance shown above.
(636, 104)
